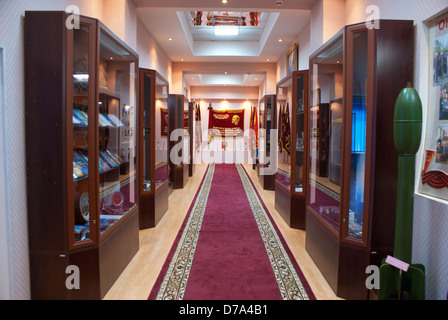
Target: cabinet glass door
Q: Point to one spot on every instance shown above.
(268, 110)
(262, 132)
(186, 135)
(161, 132)
(357, 101)
(147, 121)
(117, 132)
(299, 138)
(82, 111)
(284, 113)
(327, 88)
(180, 126)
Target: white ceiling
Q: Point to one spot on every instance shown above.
(171, 19)
(211, 80)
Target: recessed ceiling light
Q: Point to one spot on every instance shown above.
(268, 60)
(280, 40)
(225, 1)
(226, 31)
(225, 72)
(170, 39)
(181, 59)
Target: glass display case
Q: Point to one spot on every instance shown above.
(292, 118)
(351, 210)
(267, 123)
(153, 155)
(178, 149)
(81, 155)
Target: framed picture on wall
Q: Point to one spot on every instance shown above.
(292, 59)
(434, 172)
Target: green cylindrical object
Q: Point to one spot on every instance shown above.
(407, 138)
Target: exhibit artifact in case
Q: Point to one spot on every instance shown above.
(81, 107)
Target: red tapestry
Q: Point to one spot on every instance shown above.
(186, 118)
(280, 129)
(226, 123)
(253, 138)
(286, 130)
(164, 122)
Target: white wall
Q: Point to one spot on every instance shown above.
(150, 54)
(304, 45)
(181, 68)
(6, 278)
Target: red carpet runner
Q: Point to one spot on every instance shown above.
(229, 248)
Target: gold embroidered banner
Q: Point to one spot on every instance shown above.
(226, 123)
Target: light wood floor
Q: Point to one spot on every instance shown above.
(137, 280)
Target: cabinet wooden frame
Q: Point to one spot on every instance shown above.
(266, 181)
(153, 202)
(50, 134)
(388, 61)
(179, 174)
(291, 204)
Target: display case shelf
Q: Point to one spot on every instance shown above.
(82, 207)
(351, 211)
(292, 124)
(153, 144)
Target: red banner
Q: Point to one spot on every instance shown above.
(286, 130)
(224, 123)
(253, 135)
(186, 118)
(164, 122)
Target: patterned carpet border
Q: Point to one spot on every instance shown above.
(291, 281)
(175, 281)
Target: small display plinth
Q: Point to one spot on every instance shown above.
(267, 181)
(291, 207)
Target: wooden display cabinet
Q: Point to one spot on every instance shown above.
(80, 105)
(153, 148)
(350, 220)
(179, 167)
(267, 122)
(292, 159)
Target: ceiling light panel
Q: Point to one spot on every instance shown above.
(226, 31)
